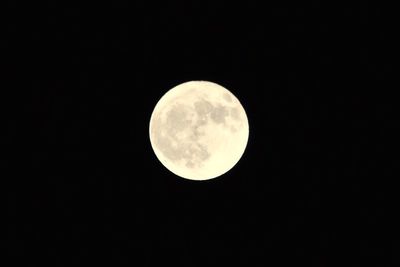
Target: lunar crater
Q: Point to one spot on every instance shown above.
(219, 113)
(227, 97)
(203, 107)
(235, 113)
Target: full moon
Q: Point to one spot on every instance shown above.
(199, 130)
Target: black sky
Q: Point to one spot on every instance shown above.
(313, 186)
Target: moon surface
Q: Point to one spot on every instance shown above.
(199, 130)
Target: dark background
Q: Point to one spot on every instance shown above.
(313, 187)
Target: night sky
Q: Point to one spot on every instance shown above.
(313, 188)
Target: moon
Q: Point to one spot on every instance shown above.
(199, 130)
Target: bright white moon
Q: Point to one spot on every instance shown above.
(199, 130)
